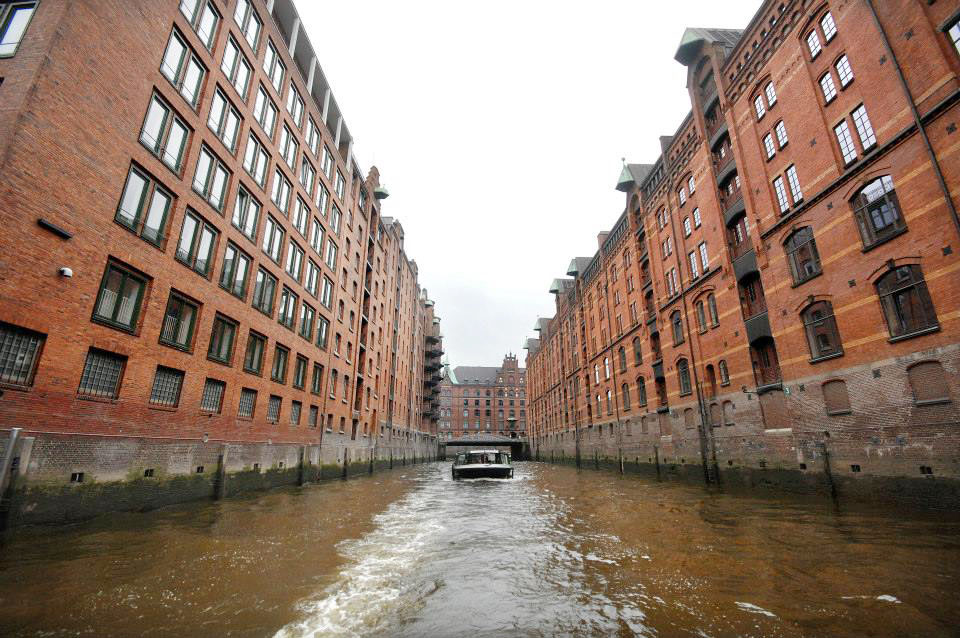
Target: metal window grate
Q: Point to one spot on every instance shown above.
(166, 387)
(19, 351)
(101, 374)
(273, 409)
(248, 399)
(212, 399)
(295, 409)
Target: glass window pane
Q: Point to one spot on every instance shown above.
(156, 215)
(153, 124)
(132, 198)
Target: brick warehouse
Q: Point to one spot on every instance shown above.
(199, 291)
(483, 399)
(778, 302)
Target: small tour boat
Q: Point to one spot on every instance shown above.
(482, 464)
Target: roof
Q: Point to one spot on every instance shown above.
(694, 37)
(632, 175)
(578, 265)
(482, 375)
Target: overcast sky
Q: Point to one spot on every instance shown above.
(498, 128)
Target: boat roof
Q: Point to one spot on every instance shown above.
(482, 452)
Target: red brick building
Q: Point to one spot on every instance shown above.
(197, 277)
(779, 299)
(483, 399)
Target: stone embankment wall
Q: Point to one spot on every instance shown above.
(57, 478)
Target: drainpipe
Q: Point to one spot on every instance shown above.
(916, 114)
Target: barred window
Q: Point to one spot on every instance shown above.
(120, 297)
(248, 401)
(253, 357)
(102, 372)
(221, 339)
(295, 408)
(212, 399)
(167, 383)
(281, 356)
(273, 409)
(19, 354)
(178, 322)
(197, 245)
(877, 211)
(823, 338)
(906, 302)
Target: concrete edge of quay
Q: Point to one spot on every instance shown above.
(937, 493)
(64, 478)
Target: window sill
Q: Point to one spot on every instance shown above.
(114, 325)
(839, 412)
(803, 281)
(884, 240)
(826, 357)
(918, 333)
(163, 408)
(175, 346)
(14, 386)
(219, 361)
(940, 401)
(83, 397)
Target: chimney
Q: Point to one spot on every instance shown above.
(602, 237)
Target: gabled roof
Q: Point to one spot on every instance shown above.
(560, 285)
(632, 175)
(694, 37)
(578, 265)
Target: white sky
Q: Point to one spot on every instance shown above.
(498, 128)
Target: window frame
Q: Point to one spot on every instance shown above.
(145, 205)
(126, 274)
(159, 149)
(222, 321)
(191, 259)
(176, 297)
(6, 19)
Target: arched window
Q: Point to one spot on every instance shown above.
(609, 402)
(622, 355)
(716, 416)
(906, 303)
(677, 323)
(724, 373)
(711, 381)
(606, 367)
(836, 399)
(625, 391)
(636, 351)
(712, 307)
(801, 249)
(821, 328)
(596, 375)
(701, 317)
(641, 391)
(683, 374)
(928, 380)
(728, 412)
(877, 211)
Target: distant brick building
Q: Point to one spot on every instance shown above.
(782, 288)
(483, 399)
(192, 257)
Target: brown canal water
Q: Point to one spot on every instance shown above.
(552, 552)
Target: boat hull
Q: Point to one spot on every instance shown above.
(482, 471)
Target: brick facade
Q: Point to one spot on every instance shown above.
(74, 123)
(482, 399)
(780, 293)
